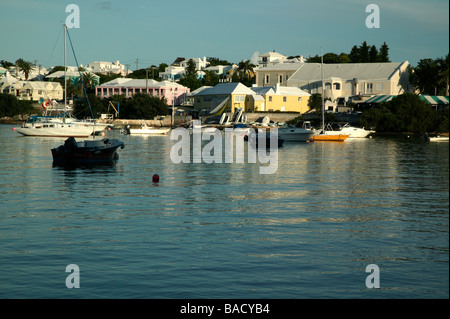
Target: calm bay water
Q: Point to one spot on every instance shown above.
(224, 230)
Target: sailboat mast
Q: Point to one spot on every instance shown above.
(65, 78)
(323, 93)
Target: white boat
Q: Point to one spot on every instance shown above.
(355, 132)
(439, 139)
(57, 126)
(147, 130)
(40, 126)
(295, 134)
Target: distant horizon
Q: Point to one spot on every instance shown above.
(151, 34)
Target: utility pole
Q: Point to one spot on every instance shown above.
(137, 64)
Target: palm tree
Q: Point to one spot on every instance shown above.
(24, 66)
(245, 68)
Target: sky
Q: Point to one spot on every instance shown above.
(153, 32)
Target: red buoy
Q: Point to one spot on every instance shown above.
(155, 178)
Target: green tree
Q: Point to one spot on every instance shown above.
(364, 53)
(373, 54)
(210, 78)
(315, 102)
(10, 106)
(25, 67)
(425, 76)
(443, 75)
(384, 53)
(6, 64)
(354, 55)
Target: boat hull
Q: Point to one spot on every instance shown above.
(295, 134)
(73, 153)
(330, 137)
(149, 131)
(56, 131)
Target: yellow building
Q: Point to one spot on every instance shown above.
(226, 97)
(212, 99)
(278, 98)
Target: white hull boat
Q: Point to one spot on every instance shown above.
(355, 132)
(146, 130)
(36, 126)
(295, 134)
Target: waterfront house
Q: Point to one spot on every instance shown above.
(278, 99)
(10, 84)
(269, 58)
(355, 81)
(40, 90)
(129, 87)
(276, 74)
(210, 98)
(103, 67)
(273, 99)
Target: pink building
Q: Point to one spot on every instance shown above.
(129, 87)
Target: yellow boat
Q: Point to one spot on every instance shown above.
(329, 137)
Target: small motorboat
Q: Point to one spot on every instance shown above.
(87, 152)
(147, 130)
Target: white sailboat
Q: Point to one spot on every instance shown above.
(57, 126)
(327, 135)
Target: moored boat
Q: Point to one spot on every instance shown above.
(86, 152)
(147, 130)
(295, 134)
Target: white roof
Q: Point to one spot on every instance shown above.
(287, 66)
(345, 71)
(60, 74)
(272, 54)
(141, 83)
(280, 90)
(227, 89)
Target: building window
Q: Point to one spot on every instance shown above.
(379, 86)
(299, 98)
(267, 78)
(337, 86)
(281, 78)
(369, 87)
(283, 108)
(284, 99)
(270, 99)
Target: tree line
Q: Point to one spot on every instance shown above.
(140, 106)
(405, 113)
(363, 53)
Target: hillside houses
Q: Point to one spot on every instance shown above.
(358, 81)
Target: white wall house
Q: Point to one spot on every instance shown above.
(270, 58)
(40, 90)
(358, 80)
(103, 67)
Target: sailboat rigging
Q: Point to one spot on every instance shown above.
(327, 135)
(57, 126)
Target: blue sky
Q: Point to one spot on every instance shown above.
(159, 31)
